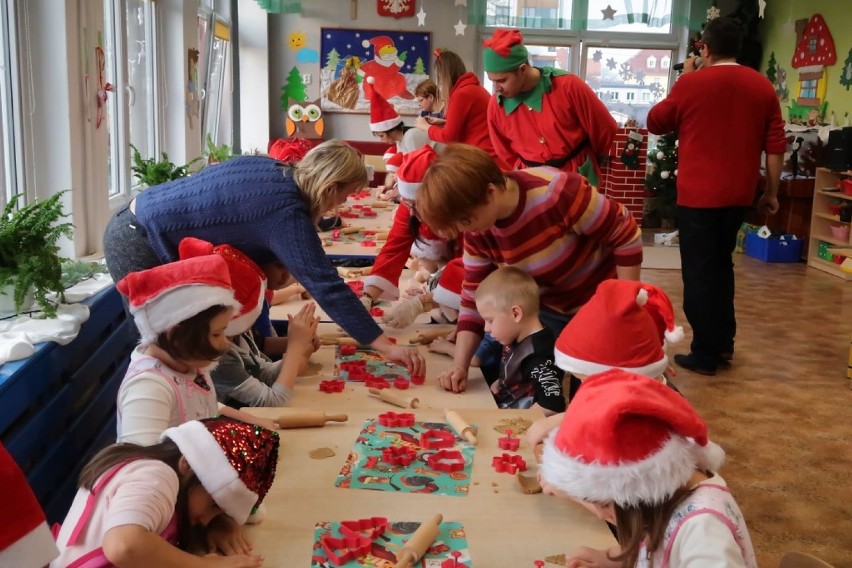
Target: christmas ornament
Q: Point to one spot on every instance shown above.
(713, 12)
(761, 6)
(395, 8)
(660, 155)
(460, 27)
(664, 175)
(598, 55)
(611, 64)
(630, 154)
(609, 13)
(421, 17)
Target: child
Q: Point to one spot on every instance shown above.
(508, 302)
(244, 375)
(181, 310)
(136, 505)
(426, 95)
(625, 325)
(637, 454)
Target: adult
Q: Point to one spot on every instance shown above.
(542, 115)
(467, 106)
(551, 224)
(721, 138)
(431, 107)
(264, 209)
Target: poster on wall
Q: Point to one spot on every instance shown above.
(394, 62)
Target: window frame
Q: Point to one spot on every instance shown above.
(10, 94)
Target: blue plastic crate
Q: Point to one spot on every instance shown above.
(773, 249)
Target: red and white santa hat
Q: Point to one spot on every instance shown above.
(247, 280)
(617, 328)
(390, 152)
(383, 115)
(448, 291)
(628, 439)
(413, 168)
(25, 539)
(234, 461)
(382, 45)
(166, 295)
(393, 163)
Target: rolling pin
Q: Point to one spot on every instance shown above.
(338, 341)
(427, 337)
(460, 425)
(396, 398)
(381, 236)
(379, 205)
(350, 230)
(416, 546)
(308, 419)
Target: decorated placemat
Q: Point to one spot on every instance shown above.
(362, 364)
(376, 542)
(395, 453)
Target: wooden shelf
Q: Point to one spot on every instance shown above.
(830, 267)
(830, 239)
(830, 217)
(820, 216)
(835, 194)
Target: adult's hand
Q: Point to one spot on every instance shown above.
(422, 123)
(410, 357)
(768, 204)
(454, 380)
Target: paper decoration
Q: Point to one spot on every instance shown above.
(193, 100)
(816, 46)
(421, 17)
(713, 12)
(597, 56)
(846, 73)
(305, 121)
(611, 64)
(460, 27)
(104, 87)
(395, 8)
(630, 154)
(608, 13)
(761, 6)
(297, 40)
(293, 89)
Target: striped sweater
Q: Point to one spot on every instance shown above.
(563, 233)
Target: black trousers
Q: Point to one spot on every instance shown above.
(707, 241)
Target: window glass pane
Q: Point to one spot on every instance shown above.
(140, 76)
(7, 156)
(636, 16)
(624, 80)
(558, 56)
(550, 14)
(215, 84)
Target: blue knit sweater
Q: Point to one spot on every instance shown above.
(252, 204)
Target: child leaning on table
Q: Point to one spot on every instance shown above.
(634, 452)
(181, 310)
(244, 375)
(144, 505)
(624, 325)
(508, 301)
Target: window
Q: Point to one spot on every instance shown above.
(132, 110)
(558, 56)
(547, 14)
(808, 90)
(665, 62)
(217, 92)
(651, 62)
(613, 96)
(630, 16)
(630, 96)
(8, 75)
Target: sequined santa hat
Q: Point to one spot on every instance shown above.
(247, 279)
(25, 538)
(619, 327)
(628, 439)
(413, 168)
(234, 461)
(448, 291)
(383, 115)
(504, 51)
(166, 295)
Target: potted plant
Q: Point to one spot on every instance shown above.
(217, 154)
(151, 172)
(29, 258)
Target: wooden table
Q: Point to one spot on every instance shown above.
(304, 494)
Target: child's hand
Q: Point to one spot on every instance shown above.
(539, 429)
(443, 346)
(237, 561)
(453, 380)
(585, 557)
(302, 327)
(224, 535)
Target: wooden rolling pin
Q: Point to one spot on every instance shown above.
(350, 230)
(338, 341)
(308, 419)
(416, 546)
(460, 425)
(381, 236)
(379, 205)
(427, 337)
(396, 398)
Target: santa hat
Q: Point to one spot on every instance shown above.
(448, 291)
(166, 295)
(616, 328)
(413, 168)
(288, 150)
(234, 461)
(660, 308)
(247, 280)
(629, 439)
(381, 45)
(392, 164)
(504, 51)
(390, 152)
(25, 539)
(383, 116)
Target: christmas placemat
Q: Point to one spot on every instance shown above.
(395, 453)
(378, 543)
(363, 364)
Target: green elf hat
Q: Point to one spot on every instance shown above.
(505, 51)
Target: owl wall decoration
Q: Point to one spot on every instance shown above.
(304, 120)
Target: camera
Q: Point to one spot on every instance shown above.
(679, 66)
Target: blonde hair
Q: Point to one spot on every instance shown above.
(449, 68)
(324, 169)
(509, 286)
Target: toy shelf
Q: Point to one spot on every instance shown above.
(830, 240)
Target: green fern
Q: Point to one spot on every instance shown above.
(29, 255)
(216, 153)
(151, 172)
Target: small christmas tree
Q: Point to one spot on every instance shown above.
(332, 59)
(419, 69)
(293, 89)
(771, 70)
(846, 73)
(661, 182)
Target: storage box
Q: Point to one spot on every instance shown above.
(773, 249)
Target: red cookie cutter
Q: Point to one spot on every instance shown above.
(347, 215)
(418, 379)
(356, 286)
(335, 234)
(368, 233)
(368, 243)
(372, 527)
(348, 350)
(396, 419)
(347, 548)
(507, 463)
(509, 442)
(437, 439)
(398, 455)
(368, 213)
(454, 562)
(400, 383)
(357, 205)
(374, 382)
(332, 385)
(377, 312)
(446, 460)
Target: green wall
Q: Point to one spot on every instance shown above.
(780, 37)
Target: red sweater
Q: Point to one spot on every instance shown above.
(466, 116)
(725, 117)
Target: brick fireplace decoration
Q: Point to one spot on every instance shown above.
(622, 183)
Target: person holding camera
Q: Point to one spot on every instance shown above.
(726, 115)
